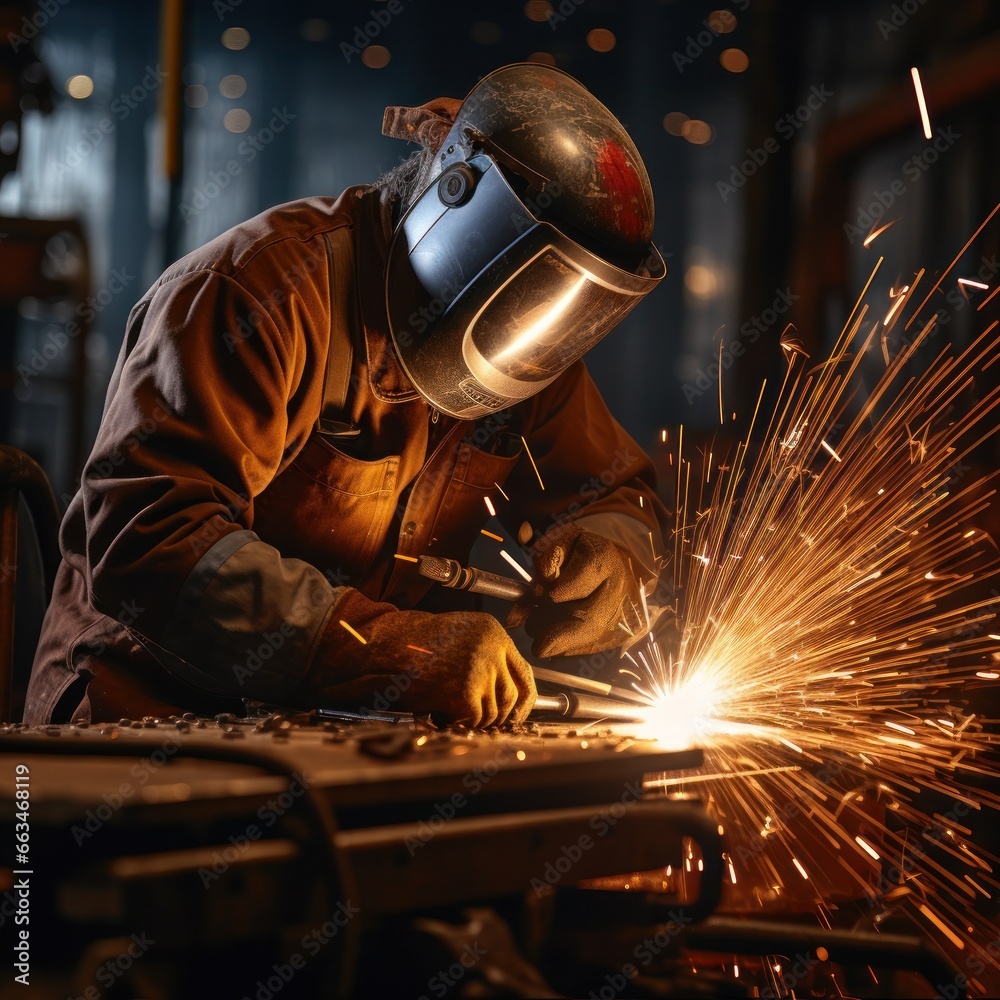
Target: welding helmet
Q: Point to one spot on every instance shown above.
(529, 243)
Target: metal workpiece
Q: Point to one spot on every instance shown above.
(233, 834)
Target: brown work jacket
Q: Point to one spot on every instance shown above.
(218, 537)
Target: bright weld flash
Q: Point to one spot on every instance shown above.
(678, 718)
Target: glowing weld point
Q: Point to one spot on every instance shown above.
(901, 729)
(831, 451)
(489, 506)
(972, 284)
(924, 117)
(509, 559)
(868, 847)
(357, 635)
(802, 871)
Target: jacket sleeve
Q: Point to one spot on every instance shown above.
(195, 426)
(592, 471)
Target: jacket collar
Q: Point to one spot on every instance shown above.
(386, 378)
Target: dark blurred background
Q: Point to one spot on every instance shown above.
(775, 134)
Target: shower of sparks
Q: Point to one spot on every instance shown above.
(827, 641)
(489, 506)
(490, 534)
(973, 284)
(924, 117)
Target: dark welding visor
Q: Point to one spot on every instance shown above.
(489, 299)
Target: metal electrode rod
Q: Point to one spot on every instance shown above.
(570, 705)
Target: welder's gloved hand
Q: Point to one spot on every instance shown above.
(589, 589)
(460, 665)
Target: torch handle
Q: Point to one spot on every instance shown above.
(451, 573)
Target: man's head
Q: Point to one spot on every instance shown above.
(525, 243)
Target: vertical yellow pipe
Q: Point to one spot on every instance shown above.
(171, 58)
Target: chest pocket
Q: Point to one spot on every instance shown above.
(477, 474)
(329, 509)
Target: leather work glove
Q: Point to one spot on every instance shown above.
(461, 665)
(589, 589)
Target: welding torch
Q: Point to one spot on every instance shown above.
(570, 705)
(451, 573)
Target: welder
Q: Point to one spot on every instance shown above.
(320, 395)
